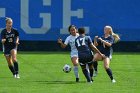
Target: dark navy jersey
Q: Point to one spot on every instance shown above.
(82, 44)
(104, 48)
(10, 37)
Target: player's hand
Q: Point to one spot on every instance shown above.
(17, 43)
(59, 41)
(103, 56)
(96, 37)
(100, 39)
(3, 41)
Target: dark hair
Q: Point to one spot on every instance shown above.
(71, 27)
(81, 30)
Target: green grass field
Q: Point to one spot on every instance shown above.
(41, 72)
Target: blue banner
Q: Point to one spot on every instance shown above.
(47, 20)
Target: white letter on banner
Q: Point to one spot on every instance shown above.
(2, 14)
(25, 18)
(67, 14)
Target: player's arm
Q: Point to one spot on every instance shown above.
(105, 42)
(3, 39)
(17, 40)
(17, 37)
(95, 41)
(96, 50)
(61, 43)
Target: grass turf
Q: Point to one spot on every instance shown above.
(41, 72)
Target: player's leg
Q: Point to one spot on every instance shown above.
(90, 65)
(95, 65)
(108, 70)
(85, 72)
(10, 65)
(75, 64)
(97, 57)
(14, 59)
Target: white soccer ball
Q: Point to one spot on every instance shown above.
(67, 68)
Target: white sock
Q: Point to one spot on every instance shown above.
(76, 71)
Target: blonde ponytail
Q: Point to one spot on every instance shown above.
(116, 36)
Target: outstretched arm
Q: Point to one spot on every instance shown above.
(106, 43)
(95, 41)
(61, 43)
(96, 50)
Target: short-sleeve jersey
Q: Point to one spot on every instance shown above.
(104, 48)
(10, 37)
(71, 41)
(82, 44)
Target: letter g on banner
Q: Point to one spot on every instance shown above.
(25, 18)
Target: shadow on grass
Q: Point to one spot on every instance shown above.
(58, 82)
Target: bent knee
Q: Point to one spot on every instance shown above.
(106, 67)
(14, 59)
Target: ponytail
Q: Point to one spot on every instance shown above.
(116, 36)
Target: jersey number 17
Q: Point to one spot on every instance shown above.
(81, 41)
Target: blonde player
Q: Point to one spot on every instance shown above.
(104, 44)
(74, 53)
(10, 41)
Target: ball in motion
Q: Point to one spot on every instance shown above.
(67, 68)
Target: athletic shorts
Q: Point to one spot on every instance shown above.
(74, 54)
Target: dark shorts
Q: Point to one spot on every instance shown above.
(108, 53)
(7, 50)
(85, 60)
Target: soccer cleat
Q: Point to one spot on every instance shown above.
(95, 73)
(91, 79)
(77, 79)
(14, 76)
(113, 81)
(17, 76)
(90, 82)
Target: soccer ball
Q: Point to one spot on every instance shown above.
(67, 68)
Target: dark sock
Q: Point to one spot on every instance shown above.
(109, 72)
(12, 69)
(95, 65)
(86, 75)
(16, 67)
(91, 72)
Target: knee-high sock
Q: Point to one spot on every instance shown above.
(12, 69)
(109, 72)
(91, 72)
(85, 72)
(76, 71)
(95, 65)
(16, 67)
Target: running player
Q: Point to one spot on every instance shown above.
(10, 41)
(74, 53)
(104, 44)
(84, 45)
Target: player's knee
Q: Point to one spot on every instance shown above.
(14, 59)
(75, 63)
(9, 63)
(106, 67)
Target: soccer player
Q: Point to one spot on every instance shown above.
(104, 44)
(10, 41)
(74, 53)
(84, 45)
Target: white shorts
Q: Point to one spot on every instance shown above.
(74, 54)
